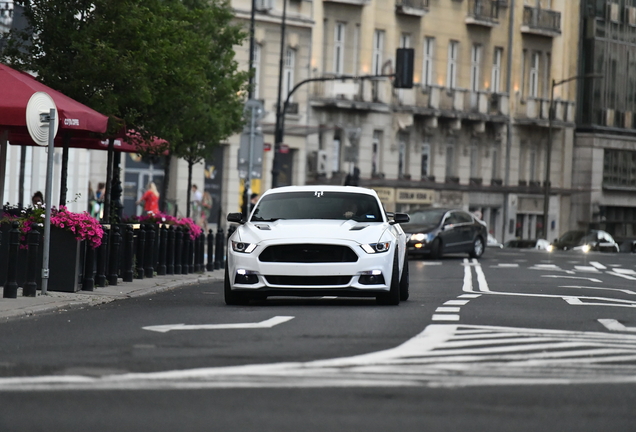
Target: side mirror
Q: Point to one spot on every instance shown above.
(235, 217)
(401, 218)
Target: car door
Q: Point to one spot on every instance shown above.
(451, 233)
(466, 227)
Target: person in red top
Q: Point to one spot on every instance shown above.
(150, 199)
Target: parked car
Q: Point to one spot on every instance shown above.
(438, 231)
(591, 240)
(317, 241)
(540, 244)
(628, 245)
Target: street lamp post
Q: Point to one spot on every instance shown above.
(548, 156)
(278, 135)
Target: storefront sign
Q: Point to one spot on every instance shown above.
(414, 196)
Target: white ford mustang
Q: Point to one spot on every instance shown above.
(317, 241)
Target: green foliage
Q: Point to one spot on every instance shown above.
(165, 68)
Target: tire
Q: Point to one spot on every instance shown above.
(232, 298)
(478, 248)
(437, 249)
(392, 298)
(404, 280)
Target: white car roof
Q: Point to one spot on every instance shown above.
(323, 188)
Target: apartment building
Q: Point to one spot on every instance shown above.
(474, 130)
(605, 145)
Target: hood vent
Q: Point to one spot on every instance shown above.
(358, 227)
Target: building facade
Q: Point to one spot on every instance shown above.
(605, 145)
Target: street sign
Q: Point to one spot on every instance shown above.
(256, 156)
(284, 149)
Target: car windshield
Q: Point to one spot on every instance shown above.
(318, 205)
(571, 237)
(428, 217)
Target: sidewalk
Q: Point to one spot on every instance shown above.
(54, 300)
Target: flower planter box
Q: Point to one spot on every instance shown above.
(66, 258)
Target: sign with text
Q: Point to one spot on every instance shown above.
(414, 196)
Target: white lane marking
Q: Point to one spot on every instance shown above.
(442, 317)
(432, 359)
(626, 291)
(598, 265)
(456, 302)
(505, 265)
(625, 271)
(481, 279)
(447, 309)
(614, 325)
(578, 301)
(468, 278)
(469, 296)
(263, 324)
(329, 297)
(622, 275)
(572, 277)
(589, 269)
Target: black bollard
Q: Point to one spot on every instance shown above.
(163, 244)
(149, 268)
(219, 250)
(185, 252)
(178, 245)
(102, 258)
(194, 254)
(11, 285)
(33, 241)
(170, 252)
(210, 264)
(88, 283)
(113, 263)
(197, 251)
(141, 247)
(129, 253)
(202, 252)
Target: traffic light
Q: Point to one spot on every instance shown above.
(404, 61)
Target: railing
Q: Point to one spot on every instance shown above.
(484, 10)
(542, 19)
(414, 4)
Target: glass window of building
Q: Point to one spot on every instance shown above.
(378, 51)
(533, 79)
(426, 161)
(338, 48)
(495, 79)
(451, 72)
(288, 73)
(427, 67)
(475, 67)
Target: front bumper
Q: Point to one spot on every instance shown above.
(330, 278)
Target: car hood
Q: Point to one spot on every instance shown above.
(311, 230)
(419, 228)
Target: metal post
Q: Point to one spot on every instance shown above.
(88, 283)
(548, 162)
(113, 262)
(170, 252)
(150, 249)
(102, 255)
(141, 246)
(278, 135)
(219, 250)
(129, 252)
(178, 243)
(49, 202)
(163, 243)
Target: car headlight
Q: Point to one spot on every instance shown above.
(243, 247)
(586, 248)
(376, 247)
(418, 237)
(550, 248)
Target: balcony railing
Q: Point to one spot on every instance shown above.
(541, 21)
(483, 12)
(411, 7)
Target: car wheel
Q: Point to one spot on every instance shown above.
(232, 298)
(404, 280)
(437, 249)
(392, 298)
(478, 248)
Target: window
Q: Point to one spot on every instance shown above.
(356, 49)
(450, 160)
(532, 162)
(474, 161)
(403, 143)
(288, 73)
(494, 168)
(375, 155)
(405, 40)
(338, 48)
(524, 56)
(427, 67)
(451, 73)
(426, 161)
(256, 65)
(475, 67)
(619, 168)
(378, 49)
(533, 90)
(496, 70)
(335, 153)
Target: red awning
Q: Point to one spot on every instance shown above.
(16, 88)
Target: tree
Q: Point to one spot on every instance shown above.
(164, 68)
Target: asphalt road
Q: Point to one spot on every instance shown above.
(517, 341)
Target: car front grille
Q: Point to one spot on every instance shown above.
(308, 253)
(308, 280)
